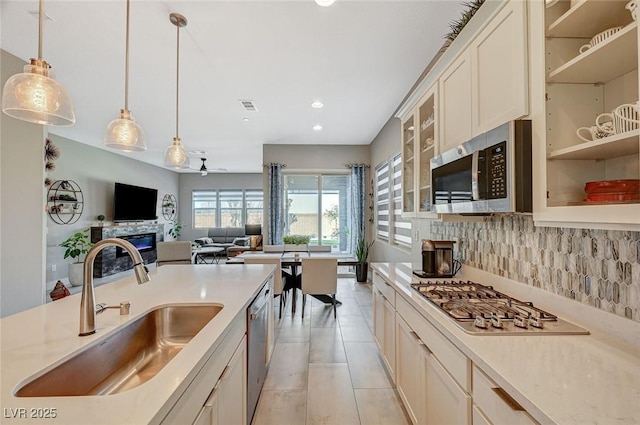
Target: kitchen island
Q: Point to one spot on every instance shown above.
(524, 379)
(34, 340)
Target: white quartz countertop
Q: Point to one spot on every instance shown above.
(33, 340)
(566, 379)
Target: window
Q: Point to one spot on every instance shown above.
(390, 225)
(226, 208)
(317, 205)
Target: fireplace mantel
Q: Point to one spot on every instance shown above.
(108, 262)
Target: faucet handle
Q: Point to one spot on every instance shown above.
(125, 308)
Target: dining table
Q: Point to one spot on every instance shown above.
(292, 260)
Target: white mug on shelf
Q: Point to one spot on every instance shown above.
(626, 117)
(589, 134)
(633, 8)
(606, 124)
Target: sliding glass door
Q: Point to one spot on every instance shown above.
(318, 206)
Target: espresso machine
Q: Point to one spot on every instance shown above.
(437, 259)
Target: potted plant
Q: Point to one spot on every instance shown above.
(76, 246)
(175, 229)
(362, 253)
(100, 218)
(296, 242)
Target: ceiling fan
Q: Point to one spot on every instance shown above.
(204, 170)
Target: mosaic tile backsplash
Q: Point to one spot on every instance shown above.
(600, 268)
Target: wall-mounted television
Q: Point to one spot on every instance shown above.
(134, 203)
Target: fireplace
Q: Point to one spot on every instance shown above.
(111, 260)
(143, 243)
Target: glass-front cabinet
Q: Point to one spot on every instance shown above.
(419, 145)
(408, 166)
(591, 113)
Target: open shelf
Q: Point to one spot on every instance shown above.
(604, 62)
(608, 147)
(579, 20)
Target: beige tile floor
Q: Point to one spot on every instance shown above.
(328, 371)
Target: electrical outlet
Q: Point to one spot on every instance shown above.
(53, 267)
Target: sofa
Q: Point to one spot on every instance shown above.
(224, 237)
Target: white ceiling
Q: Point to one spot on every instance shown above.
(358, 57)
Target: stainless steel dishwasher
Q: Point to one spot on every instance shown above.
(257, 348)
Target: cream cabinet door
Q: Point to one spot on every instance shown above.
(447, 403)
(389, 345)
(455, 103)
(232, 397)
(499, 76)
(409, 371)
(378, 318)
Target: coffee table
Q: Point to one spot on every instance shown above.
(199, 255)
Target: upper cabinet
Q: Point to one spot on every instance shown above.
(499, 65)
(456, 101)
(585, 112)
(487, 84)
(420, 134)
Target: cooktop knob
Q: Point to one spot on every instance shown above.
(496, 322)
(536, 322)
(520, 322)
(480, 322)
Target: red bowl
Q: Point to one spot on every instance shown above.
(612, 186)
(613, 197)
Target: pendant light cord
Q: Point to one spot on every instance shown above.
(40, 26)
(126, 64)
(177, 73)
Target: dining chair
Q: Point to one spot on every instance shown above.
(319, 276)
(173, 252)
(277, 276)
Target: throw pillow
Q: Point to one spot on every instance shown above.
(241, 241)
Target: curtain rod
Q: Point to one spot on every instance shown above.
(351, 165)
(281, 165)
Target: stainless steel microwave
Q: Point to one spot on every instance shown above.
(491, 173)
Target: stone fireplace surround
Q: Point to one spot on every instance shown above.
(108, 261)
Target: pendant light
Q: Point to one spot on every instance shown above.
(124, 133)
(176, 156)
(34, 95)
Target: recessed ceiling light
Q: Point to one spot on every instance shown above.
(317, 104)
(245, 119)
(317, 127)
(325, 3)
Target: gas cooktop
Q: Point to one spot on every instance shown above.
(480, 309)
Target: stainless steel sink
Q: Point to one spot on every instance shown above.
(127, 358)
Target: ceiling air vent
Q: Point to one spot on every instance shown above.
(248, 105)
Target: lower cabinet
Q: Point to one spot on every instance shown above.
(447, 403)
(217, 395)
(493, 406)
(436, 381)
(411, 361)
(385, 328)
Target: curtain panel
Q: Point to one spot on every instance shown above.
(275, 223)
(358, 203)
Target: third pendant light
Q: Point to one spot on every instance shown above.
(175, 155)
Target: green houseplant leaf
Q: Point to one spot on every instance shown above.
(296, 239)
(362, 250)
(77, 244)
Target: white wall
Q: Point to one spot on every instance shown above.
(96, 171)
(22, 196)
(191, 182)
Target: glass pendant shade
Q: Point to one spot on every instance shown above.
(125, 134)
(175, 156)
(36, 97)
